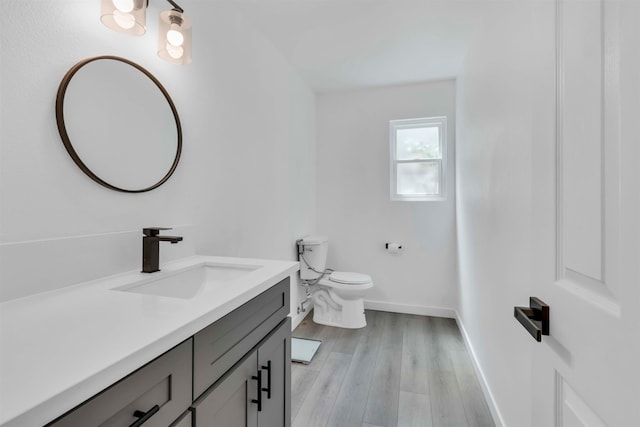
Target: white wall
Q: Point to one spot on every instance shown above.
(505, 111)
(354, 208)
(249, 145)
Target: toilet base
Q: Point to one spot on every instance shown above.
(331, 310)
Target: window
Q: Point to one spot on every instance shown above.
(418, 158)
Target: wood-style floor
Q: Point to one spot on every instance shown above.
(401, 370)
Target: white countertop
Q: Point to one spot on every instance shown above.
(59, 348)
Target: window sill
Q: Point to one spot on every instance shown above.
(419, 199)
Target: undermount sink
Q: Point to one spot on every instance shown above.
(188, 283)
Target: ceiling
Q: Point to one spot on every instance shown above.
(341, 44)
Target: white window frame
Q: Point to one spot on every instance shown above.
(394, 126)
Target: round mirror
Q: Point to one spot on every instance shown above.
(119, 124)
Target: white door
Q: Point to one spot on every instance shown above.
(587, 372)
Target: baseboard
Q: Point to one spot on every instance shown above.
(410, 309)
(493, 407)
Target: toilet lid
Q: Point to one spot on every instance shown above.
(349, 278)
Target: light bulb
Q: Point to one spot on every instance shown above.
(123, 5)
(175, 52)
(174, 35)
(124, 20)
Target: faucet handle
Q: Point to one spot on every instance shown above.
(154, 231)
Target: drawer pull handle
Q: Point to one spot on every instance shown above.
(268, 388)
(143, 417)
(259, 399)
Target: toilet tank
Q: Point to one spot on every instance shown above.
(314, 252)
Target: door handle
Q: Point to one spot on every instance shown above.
(268, 388)
(534, 318)
(259, 390)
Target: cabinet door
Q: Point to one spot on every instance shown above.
(274, 362)
(229, 403)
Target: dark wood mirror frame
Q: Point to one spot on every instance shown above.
(62, 89)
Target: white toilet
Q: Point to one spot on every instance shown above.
(338, 296)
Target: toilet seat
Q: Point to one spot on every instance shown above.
(347, 282)
(349, 278)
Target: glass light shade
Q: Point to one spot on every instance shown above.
(174, 37)
(124, 16)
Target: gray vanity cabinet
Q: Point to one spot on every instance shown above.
(256, 391)
(220, 367)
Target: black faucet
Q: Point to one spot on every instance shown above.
(151, 248)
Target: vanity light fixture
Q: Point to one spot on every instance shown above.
(129, 17)
(124, 16)
(174, 41)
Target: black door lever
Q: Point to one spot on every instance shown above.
(534, 318)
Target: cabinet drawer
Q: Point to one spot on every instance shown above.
(219, 346)
(165, 382)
